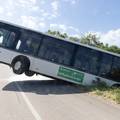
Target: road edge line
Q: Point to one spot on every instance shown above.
(30, 106)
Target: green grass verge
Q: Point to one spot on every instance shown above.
(112, 93)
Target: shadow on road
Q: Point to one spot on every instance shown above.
(45, 87)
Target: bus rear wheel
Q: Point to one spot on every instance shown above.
(29, 73)
(19, 65)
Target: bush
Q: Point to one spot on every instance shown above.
(112, 93)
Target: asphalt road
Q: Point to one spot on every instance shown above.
(40, 98)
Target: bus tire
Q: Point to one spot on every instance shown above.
(29, 73)
(20, 65)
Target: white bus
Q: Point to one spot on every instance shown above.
(31, 52)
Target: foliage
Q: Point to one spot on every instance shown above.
(76, 39)
(112, 93)
(90, 39)
(58, 34)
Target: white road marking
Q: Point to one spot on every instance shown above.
(15, 78)
(30, 106)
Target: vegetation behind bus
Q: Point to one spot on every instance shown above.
(111, 93)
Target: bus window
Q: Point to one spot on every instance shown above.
(115, 72)
(55, 50)
(11, 41)
(94, 61)
(1, 37)
(87, 60)
(105, 65)
(4, 35)
(28, 44)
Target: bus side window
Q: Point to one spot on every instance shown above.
(105, 65)
(4, 34)
(87, 60)
(23, 46)
(28, 43)
(1, 37)
(11, 41)
(57, 51)
(115, 71)
(7, 38)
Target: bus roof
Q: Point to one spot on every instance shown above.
(77, 43)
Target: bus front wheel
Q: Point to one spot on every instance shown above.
(19, 65)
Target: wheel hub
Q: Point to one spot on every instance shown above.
(18, 65)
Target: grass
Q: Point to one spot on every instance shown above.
(111, 93)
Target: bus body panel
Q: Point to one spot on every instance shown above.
(6, 55)
(51, 69)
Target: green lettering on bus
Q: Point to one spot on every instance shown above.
(71, 74)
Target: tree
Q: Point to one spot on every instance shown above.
(90, 39)
(58, 34)
(76, 39)
(114, 49)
